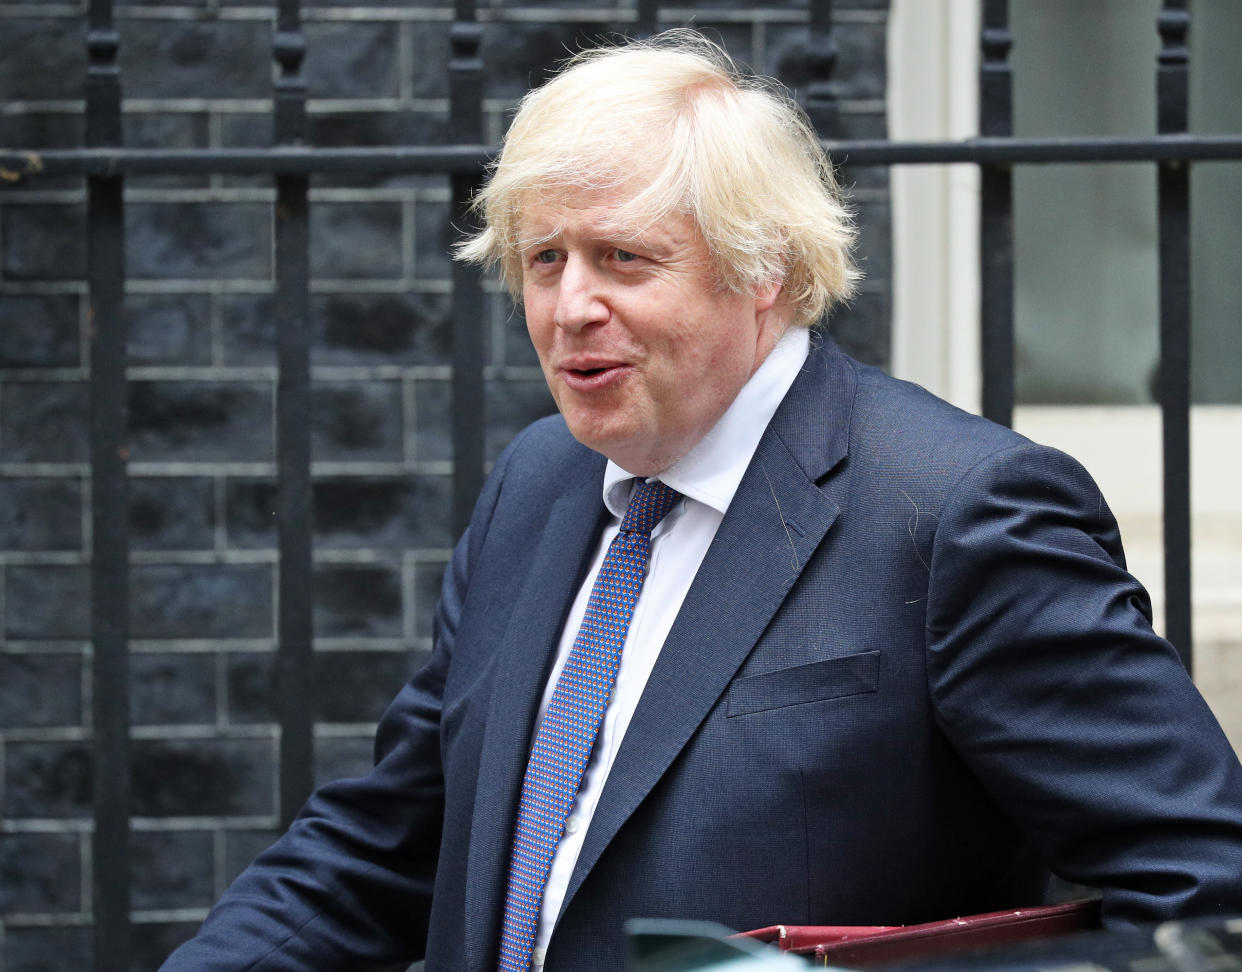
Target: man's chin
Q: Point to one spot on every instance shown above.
(609, 445)
(622, 447)
(636, 458)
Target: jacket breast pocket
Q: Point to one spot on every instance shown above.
(832, 678)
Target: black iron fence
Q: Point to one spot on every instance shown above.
(106, 165)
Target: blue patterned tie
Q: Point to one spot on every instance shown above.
(571, 723)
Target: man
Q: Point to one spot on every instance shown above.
(878, 663)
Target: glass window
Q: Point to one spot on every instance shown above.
(1086, 296)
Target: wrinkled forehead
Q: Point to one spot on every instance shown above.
(614, 212)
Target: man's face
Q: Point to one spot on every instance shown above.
(641, 346)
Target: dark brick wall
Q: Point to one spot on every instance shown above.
(197, 73)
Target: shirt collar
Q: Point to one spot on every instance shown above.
(712, 471)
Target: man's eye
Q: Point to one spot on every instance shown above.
(546, 256)
(625, 256)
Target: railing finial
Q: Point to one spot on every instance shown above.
(103, 77)
(995, 71)
(1173, 70)
(821, 61)
(289, 50)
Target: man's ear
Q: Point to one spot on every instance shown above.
(768, 294)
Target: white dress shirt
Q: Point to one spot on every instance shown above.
(707, 477)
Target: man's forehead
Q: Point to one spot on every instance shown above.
(603, 214)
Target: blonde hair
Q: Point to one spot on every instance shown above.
(675, 117)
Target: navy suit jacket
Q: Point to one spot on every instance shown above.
(911, 675)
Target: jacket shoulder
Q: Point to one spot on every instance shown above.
(922, 425)
(905, 441)
(545, 453)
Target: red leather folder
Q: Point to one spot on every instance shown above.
(863, 945)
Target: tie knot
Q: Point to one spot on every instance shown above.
(648, 505)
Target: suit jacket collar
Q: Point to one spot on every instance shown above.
(524, 656)
(814, 419)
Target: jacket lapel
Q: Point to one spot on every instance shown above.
(523, 658)
(776, 520)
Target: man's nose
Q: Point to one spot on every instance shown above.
(580, 298)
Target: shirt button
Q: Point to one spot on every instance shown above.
(538, 956)
(572, 825)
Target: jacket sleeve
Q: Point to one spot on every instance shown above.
(349, 886)
(1078, 718)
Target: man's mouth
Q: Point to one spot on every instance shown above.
(591, 375)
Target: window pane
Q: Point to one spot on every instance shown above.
(1216, 188)
(1085, 235)
(1086, 274)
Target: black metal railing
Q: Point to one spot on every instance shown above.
(1173, 195)
(106, 165)
(109, 500)
(294, 643)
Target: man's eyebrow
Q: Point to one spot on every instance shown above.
(644, 237)
(613, 236)
(528, 240)
(648, 235)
